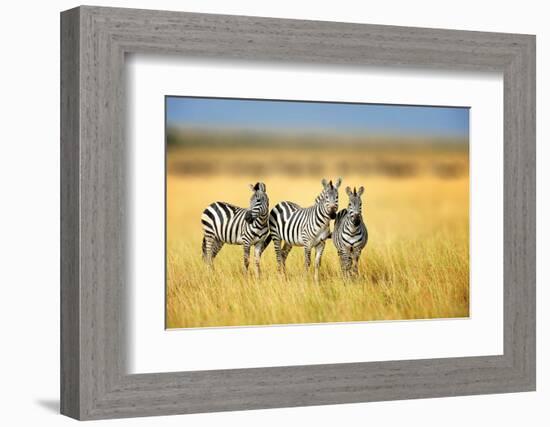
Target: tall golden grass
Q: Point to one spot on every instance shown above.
(415, 266)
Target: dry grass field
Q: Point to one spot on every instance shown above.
(415, 266)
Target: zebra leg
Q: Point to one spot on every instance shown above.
(246, 256)
(258, 249)
(216, 247)
(285, 251)
(345, 262)
(278, 254)
(318, 254)
(265, 243)
(307, 257)
(208, 243)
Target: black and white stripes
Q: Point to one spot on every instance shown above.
(308, 227)
(350, 234)
(288, 225)
(225, 223)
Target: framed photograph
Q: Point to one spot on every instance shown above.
(411, 163)
(262, 213)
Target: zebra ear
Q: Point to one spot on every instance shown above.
(324, 182)
(348, 191)
(338, 182)
(252, 187)
(360, 191)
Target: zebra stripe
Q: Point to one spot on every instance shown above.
(350, 233)
(225, 223)
(307, 227)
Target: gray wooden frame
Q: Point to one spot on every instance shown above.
(94, 41)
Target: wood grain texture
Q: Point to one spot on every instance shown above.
(95, 274)
(70, 221)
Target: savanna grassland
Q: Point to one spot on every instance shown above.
(415, 266)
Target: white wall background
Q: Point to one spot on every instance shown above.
(29, 214)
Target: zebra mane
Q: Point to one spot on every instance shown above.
(319, 198)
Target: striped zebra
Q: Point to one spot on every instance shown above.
(307, 227)
(350, 233)
(226, 223)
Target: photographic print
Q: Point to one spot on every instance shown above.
(301, 212)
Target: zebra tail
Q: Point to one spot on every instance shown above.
(204, 248)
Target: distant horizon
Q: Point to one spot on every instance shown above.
(308, 133)
(307, 118)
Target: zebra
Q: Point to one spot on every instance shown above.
(350, 234)
(307, 227)
(226, 223)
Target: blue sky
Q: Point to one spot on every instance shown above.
(253, 115)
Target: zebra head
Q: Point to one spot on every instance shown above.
(259, 203)
(329, 196)
(355, 204)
